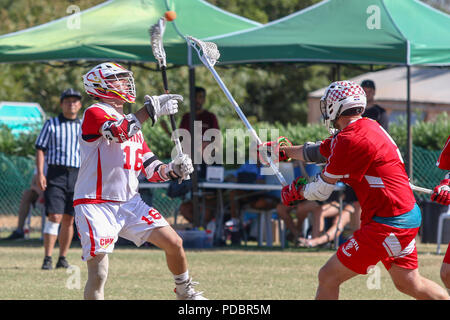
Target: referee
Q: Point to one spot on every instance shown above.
(58, 144)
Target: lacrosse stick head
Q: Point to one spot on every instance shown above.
(156, 39)
(207, 51)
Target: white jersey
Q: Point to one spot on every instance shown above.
(109, 170)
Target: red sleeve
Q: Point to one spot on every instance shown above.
(349, 158)
(325, 147)
(93, 120)
(443, 161)
(151, 164)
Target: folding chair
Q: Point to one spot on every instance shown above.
(265, 216)
(265, 226)
(443, 216)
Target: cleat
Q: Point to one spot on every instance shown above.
(47, 264)
(62, 263)
(186, 291)
(17, 234)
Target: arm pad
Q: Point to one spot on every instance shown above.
(121, 130)
(318, 189)
(311, 153)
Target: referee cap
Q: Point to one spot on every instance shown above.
(70, 93)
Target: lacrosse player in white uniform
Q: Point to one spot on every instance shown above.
(113, 154)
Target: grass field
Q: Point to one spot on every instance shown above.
(240, 273)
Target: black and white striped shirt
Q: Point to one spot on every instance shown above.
(59, 140)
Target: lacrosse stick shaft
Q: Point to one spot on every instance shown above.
(172, 117)
(420, 189)
(156, 41)
(247, 124)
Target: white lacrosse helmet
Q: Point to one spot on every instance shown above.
(339, 97)
(110, 80)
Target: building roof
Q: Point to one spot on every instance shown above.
(428, 85)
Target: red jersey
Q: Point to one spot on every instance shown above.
(443, 161)
(364, 156)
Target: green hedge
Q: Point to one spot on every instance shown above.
(426, 135)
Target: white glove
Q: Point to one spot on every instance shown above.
(180, 168)
(162, 105)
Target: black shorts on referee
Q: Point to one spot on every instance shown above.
(60, 187)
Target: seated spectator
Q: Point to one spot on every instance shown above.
(350, 211)
(260, 200)
(29, 198)
(207, 202)
(206, 205)
(249, 173)
(301, 212)
(302, 209)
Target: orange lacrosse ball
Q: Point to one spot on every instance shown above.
(170, 15)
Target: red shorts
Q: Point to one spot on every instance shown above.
(376, 242)
(447, 255)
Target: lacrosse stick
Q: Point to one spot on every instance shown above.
(420, 189)
(209, 54)
(156, 39)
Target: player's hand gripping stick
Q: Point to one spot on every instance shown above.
(156, 39)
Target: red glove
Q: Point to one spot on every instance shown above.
(441, 193)
(265, 150)
(291, 194)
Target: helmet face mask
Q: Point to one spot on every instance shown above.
(121, 84)
(110, 81)
(325, 115)
(339, 97)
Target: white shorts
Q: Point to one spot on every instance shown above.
(100, 225)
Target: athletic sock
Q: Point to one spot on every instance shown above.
(181, 278)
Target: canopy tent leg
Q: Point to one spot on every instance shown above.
(194, 176)
(409, 151)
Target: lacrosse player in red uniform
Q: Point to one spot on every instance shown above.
(361, 154)
(113, 154)
(441, 194)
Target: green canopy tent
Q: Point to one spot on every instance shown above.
(118, 30)
(400, 32)
(390, 32)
